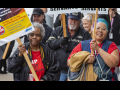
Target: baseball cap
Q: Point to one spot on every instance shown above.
(38, 11)
(76, 15)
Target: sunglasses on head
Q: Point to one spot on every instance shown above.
(113, 9)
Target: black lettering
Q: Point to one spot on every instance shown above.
(51, 9)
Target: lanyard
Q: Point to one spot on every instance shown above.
(95, 52)
(111, 25)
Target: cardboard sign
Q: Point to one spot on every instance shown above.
(93, 10)
(62, 10)
(14, 23)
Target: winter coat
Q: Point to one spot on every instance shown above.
(62, 54)
(19, 67)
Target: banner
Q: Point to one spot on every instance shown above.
(93, 10)
(71, 10)
(62, 10)
(14, 23)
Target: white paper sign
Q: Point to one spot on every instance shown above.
(62, 10)
(93, 10)
(82, 10)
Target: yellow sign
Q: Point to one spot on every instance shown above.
(17, 25)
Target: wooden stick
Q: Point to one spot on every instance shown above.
(64, 25)
(110, 16)
(28, 61)
(96, 15)
(6, 50)
(61, 23)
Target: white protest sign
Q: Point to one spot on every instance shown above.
(62, 10)
(82, 10)
(29, 12)
(93, 10)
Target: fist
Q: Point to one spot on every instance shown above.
(21, 49)
(91, 59)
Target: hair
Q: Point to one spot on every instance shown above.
(40, 26)
(102, 20)
(88, 17)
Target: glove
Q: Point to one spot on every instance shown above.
(64, 40)
(68, 48)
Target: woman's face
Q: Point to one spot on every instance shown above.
(101, 31)
(35, 37)
(87, 25)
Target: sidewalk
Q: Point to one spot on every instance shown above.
(6, 77)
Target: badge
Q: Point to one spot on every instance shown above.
(103, 80)
(110, 35)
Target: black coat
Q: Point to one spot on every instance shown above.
(2, 49)
(54, 44)
(116, 28)
(19, 66)
(58, 22)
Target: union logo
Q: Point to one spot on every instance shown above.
(2, 30)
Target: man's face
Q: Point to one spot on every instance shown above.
(73, 24)
(114, 10)
(37, 18)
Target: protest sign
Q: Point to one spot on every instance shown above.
(62, 10)
(93, 10)
(14, 23)
(71, 10)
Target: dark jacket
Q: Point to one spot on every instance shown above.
(58, 22)
(19, 67)
(48, 31)
(116, 28)
(62, 54)
(2, 49)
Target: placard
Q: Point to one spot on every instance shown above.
(62, 10)
(93, 10)
(14, 23)
(71, 10)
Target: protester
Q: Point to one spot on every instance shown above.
(38, 16)
(114, 28)
(87, 23)
(3, 61)
(45, 11)
(43, 59)
(64, 45)
(106, 54)
(59, 20)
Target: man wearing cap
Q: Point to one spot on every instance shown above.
(38, 16)
(64, 45)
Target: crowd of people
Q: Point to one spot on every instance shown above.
(58, 58)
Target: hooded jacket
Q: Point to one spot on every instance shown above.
(20, 68)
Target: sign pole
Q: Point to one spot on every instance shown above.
(110, 16)
(64, 25)
(93, 37)
(5, 52)
(28, 61)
